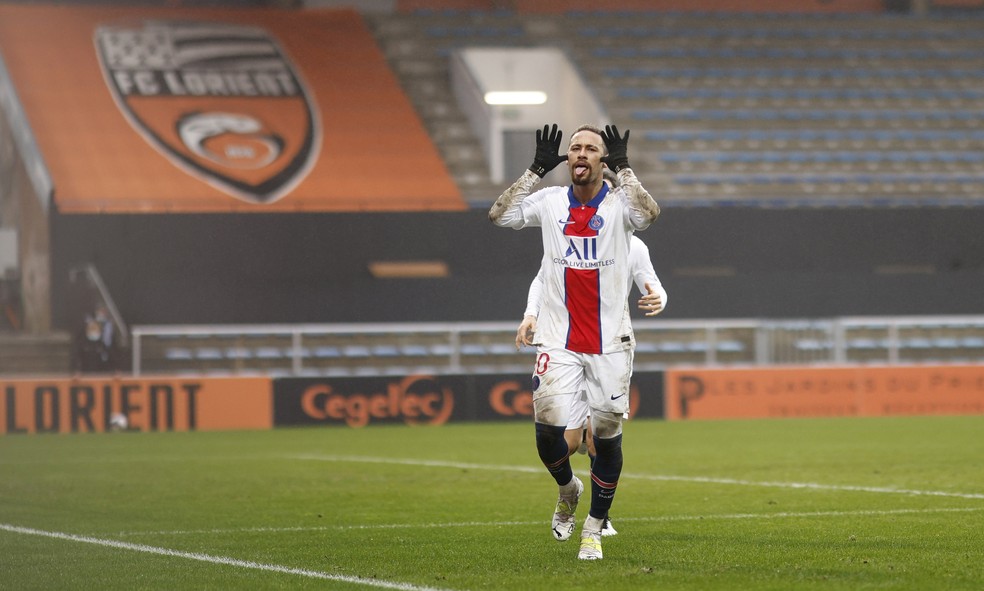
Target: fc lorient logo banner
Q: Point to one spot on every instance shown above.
(221, 101)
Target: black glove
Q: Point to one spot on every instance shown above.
(618, 157)
(547, 148)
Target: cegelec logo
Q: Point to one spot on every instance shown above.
(417, 400)
(509, 399)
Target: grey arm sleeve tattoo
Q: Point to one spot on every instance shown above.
(645, 210)
(505, 209)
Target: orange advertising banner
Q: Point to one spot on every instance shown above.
(206, 110)
(824, 391)
(84, 405)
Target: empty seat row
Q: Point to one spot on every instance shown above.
(948, 73)
(770, 115)
(813, 135)
(807, 94)
(821, 156)
(839, 178)
(788, 53)
(475, 31)
(729, 346)
(673, 30)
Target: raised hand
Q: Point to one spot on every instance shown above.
(618, 148)
(547, 155)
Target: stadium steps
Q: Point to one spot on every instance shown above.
(417, 48)
(35, 354)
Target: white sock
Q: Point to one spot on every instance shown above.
(569, 489)
(593, 525)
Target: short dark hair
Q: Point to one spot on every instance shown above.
(592, 128)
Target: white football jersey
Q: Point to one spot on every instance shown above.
(584, 306)
(640, 267)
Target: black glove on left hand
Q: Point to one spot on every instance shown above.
(618, 147)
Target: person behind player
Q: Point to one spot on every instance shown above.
(653, 301)
(584, 335)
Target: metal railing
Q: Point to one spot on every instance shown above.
(487, 347)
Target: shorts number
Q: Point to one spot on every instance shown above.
(542, 361)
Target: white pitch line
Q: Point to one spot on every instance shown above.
(657, 477)
(215, 559)
(485, 524)
(810, 486)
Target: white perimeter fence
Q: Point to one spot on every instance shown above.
(488, 347)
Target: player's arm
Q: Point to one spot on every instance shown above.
(524, 334)
(643, 209)
(653, 300)
(507, 210)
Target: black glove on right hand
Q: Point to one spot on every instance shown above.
(547, 155)
(618, 148)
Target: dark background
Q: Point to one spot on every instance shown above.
(724, 262)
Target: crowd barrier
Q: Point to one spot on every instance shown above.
(88, 405)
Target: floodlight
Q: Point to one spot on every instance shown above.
(515, 97)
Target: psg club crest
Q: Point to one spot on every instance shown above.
(222, 101)
(596, 222)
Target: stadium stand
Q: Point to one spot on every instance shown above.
(753, 108)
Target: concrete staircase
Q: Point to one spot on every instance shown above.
(33, 355)
(420, 60)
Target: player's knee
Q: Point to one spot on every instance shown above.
(606, 425)
(552, 410)
(573, 438)
(608, 447)
(607, 466)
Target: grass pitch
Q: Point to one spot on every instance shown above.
(894, 503)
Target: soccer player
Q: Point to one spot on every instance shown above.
(584, 336)
(652, 302)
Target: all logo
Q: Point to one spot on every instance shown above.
(583, 249)
(221, 101)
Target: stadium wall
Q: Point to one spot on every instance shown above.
(714, 262)
(190, 403)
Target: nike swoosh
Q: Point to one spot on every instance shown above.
(617, 397)
(566, 222)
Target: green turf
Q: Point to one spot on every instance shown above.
(895, 503)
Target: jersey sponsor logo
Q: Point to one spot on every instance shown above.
(221, 101)
(582, 248)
